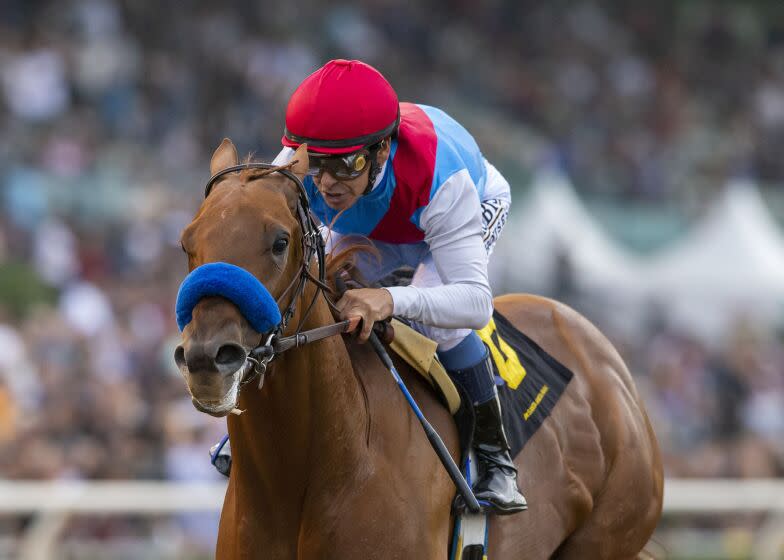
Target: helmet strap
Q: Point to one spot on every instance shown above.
(374, 167)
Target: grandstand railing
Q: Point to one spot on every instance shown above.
(51, 503)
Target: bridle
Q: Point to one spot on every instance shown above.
(272, 343)
(261, 355)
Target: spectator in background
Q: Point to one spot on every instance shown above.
(109, 111)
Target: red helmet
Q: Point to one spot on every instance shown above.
(342, 107)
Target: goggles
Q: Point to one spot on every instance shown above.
(349, 166)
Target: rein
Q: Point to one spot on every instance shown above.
(274, 344)
(264, 353)
(312, 244)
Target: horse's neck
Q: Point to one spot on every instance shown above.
(308, 419)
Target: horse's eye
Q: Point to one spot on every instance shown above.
(280, 245)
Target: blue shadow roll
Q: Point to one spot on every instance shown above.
(233, 283)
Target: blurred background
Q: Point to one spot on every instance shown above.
(642, 142)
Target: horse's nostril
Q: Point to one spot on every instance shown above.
(230, 357)
(179, 356)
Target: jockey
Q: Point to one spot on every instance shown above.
(412, 180)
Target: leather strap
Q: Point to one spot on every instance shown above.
(300, 339)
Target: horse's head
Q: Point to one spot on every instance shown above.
(250, 220)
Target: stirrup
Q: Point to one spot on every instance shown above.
(220, 456)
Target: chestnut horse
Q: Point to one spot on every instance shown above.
(330, 462)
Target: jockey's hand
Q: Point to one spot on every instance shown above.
(369, 303)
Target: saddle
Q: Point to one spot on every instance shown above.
(419, 352)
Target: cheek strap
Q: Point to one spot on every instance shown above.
(236, 285)
(374, 167)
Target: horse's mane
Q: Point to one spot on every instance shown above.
(342, 260)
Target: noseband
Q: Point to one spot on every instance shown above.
(272, 342)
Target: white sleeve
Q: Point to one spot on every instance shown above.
(496, 186)
(284, 156)
(453, 230)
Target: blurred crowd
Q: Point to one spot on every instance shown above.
(717, 408)
(109, 111)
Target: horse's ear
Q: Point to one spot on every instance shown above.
(225, 156)
(300, 168)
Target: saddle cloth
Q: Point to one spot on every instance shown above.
(530, 381)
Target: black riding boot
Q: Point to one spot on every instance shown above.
(497, 473)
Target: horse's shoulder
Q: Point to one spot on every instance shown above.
(601, 382)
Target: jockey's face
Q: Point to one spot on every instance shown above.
(341, 194)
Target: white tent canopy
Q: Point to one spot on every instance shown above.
(730, 265)
(732, 262)
(552, 223)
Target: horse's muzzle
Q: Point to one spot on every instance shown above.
(223, 359)
(213, 374)
(218, 411)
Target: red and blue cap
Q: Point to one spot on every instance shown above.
(342, 107)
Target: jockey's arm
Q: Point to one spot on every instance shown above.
(452, 224)
(453, 231)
